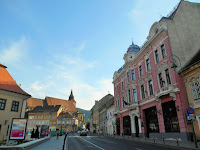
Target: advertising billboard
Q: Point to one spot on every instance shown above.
(18, 129)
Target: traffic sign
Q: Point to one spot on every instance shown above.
(190, 110)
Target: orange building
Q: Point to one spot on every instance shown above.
(192, 79)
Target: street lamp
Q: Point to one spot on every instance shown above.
(173, 61)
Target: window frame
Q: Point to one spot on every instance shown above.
(150, 88)
(142, 92)
(122, 85)
(133, 74)
(140, 70)
(3, 103)
(168, 77)
(195, 89)
(157, 59)
(16, 102)
(161, 48)
(134, 95)
(159, 79)
(129, 96)
(127, 76)
(148, 66)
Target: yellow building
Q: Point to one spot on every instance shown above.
(192, 79)
(12, 101)
(44, 115)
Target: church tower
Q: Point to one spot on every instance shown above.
(71, 98)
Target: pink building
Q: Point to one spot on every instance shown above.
(149, 95)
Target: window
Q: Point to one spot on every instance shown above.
(163, 51)
(148, 64)
(167, 76)
(35, 117)
(195, 90)
(63, 122)
(38, 116)
(45, 117)
(160, 80)
(59, 122)
(134, 95)
(55, 117)
(123, 101)
(48, 116)
(133, 74)
(157, 56)
(122, 85)
(129, 96)
(142, 91)
(128, 76)
(50, 123)
(42, 117)
(2, 104)
(31, 117)
(15, 106)
(140, 69)
(51, 116)
(150, 87)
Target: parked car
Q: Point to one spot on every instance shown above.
(44, 134)
(83, 133)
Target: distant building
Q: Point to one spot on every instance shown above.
(150, 98)
(44, 115)
(191, 73)
(98, 115)
(110, 120)
(67, 122)
(12, 101)
(68, 106)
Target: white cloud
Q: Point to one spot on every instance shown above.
(15, 51)
(36, 87)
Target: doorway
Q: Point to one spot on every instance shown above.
(136, 127)
(152, 125)
(118, 126)
(127, 125)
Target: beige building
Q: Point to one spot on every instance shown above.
(12, 101)
(192, 79)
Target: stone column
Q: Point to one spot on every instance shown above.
(139, 124)
(132, 124)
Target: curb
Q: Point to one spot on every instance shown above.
(26, 146)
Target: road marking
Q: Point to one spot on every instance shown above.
(93, 144)
(138, 149)
(106, 141)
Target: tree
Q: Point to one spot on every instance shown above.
(88, 125)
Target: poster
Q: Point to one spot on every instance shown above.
(18, 129)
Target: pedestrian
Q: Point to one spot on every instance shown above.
(33, 134)
(37, 133)
(57, 133)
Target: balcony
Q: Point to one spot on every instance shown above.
(166, 90)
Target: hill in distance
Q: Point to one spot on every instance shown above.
(87, 114)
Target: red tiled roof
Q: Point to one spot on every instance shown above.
(33, 102)
(8, 83)
(65, 115)
(65, 103)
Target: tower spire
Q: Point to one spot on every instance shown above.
(71, 97)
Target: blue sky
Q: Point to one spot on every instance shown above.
(51, 47)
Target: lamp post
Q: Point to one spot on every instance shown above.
(173, 61)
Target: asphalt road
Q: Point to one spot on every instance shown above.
(76, 142)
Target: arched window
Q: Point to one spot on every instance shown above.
(195, 89)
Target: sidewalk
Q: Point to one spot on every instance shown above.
(53, 143)
(164, 142)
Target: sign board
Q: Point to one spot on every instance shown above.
(188, 115)
(190, 110)
(18, 129)
(192, 117)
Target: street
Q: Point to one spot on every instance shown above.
(90, 142)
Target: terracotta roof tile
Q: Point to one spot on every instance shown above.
(65, 103)
(8, 83)
(65, 115)
(33, 102)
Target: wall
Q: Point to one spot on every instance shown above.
(7, 114)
